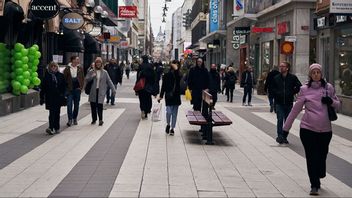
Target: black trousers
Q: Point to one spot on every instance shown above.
(54, 118)
(145, 101)
(316, 147)
(247, 91)
(214, 95)
(96, 108)
(197, 100)
(229, 94)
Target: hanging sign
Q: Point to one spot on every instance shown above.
(341, 6)
(72, 21)
(214, 15)
(287, 48)
(238, 8)
(44, 9)
(128, 11)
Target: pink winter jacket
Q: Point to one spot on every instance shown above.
(315, 117)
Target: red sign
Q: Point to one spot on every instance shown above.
(128, 11)
(282, 28)
(260, 29)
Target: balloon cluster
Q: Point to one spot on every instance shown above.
(24, 68)
(4, 68)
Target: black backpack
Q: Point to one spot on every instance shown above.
(232, 79)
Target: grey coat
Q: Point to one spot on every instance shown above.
(105, 81)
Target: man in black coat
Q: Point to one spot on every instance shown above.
(214, 83)
(198, 80)
(115, 74)
(247, 82)
(285, 85)
(268, 87)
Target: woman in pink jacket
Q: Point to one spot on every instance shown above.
(315, 128)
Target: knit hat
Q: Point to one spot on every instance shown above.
(315, 66)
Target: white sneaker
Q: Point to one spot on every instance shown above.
(49, 131)
(142, 115)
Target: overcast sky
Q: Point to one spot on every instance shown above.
(156, 11)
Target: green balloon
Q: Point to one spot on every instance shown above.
(31, 86)
(31, 58)
(24, 89)
(16, 85)
(19, 47)
(19, 78)
(18, 56)
(24, 59)
(2, 46)
(32, 50)
(12, 60)
(34, 74)
(6, 75)
(18, 63)
(25, 67)
(26, 82)
(36, 81)
(19, 71)
(37, 54)
(24, 52)
(36, 62)
(26, 74)
(34, 68)
(36, 47)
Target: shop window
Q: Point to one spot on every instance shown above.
(267, 57)
(343, 63)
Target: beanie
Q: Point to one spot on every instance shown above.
(315, 66)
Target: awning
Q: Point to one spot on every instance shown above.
(108, 22)
(213, 35)
(71, 41)
(91, 45)
(193, 46)
(244, 20)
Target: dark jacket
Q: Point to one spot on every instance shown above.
(214, 81)
(114, 72)
(284, 88)
(198, 79)
(146, 71)
(68, 77)
(53, 92)
(171, 83)
(248, 79)
(269, 81)
(230, 80)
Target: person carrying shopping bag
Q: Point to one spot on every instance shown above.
(171, 89)
(100, 82)
(315, 127)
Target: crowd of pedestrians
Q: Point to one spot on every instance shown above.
(286, 95)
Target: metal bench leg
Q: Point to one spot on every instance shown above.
(209, 135)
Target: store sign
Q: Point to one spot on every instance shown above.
(262, 29)
(124, 44)
(72, 21)
(238, 8)
(282, 28)
(291, 38)
(341, 6)
(321, 22)
(235, 40)
(287, 48)
(44, 9)
(341, 19)
(2, 6)
(243, 30)
(128, 11)
(214, 15)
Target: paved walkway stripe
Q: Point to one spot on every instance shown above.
(21, 144)
(38, 172)
(95, 173)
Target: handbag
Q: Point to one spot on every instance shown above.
(140, 84)
(88, 87)
(188, 94)
(331, 110)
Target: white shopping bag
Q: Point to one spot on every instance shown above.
(156, 111)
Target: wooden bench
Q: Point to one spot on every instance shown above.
(207, 118)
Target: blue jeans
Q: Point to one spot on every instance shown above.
(73, 99)
(171, 111)
(282, 112)
(110, 96)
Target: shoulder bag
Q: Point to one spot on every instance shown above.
(331, 110)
